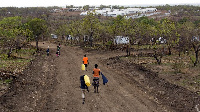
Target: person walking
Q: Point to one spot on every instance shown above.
(85, 61)
(47, 51)
(58, 53)
(127, 50)
(83, 87)
(58, 50)
(59, 46)
(96, 73)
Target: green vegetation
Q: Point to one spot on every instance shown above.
(17, 61)
(181, 10)
(176, 59)
(7, 81)
(15, 33)
(38, 23)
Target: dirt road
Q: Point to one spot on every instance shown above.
(117, 95)
(51, 84)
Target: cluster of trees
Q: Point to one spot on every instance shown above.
(16, 31)
(142, 31)
(181, 10)
(101, 30)
(26, 11)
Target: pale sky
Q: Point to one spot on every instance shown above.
(45, 3)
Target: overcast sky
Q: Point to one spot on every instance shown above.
(37, 3)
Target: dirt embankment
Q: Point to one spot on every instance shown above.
(163, 92)
(30, 91)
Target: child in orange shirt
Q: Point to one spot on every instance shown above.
(96, 73)
(85, 61)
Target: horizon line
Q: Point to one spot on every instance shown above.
(138, 5)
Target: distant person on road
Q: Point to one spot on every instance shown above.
(59, 46)
(47, 51)
(58, 50)
(58, 53)
(83, 87)
(85, 61)
(96, 73)
(127, 50)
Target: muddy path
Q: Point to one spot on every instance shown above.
(51, 84)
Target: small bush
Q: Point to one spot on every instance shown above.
(192, 57)
(4, 56)
(177, 67)
(109, 43)
(7, 81)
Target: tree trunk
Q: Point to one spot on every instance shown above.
(196, 49)
(197, 55)
(91, 43)
(9, 52)
(169, 49)
(71, 40)
(103, 40)
(36, 38)
(157, 57)
(127, 50)
(90, 39)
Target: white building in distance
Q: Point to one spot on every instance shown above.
(122, 12)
